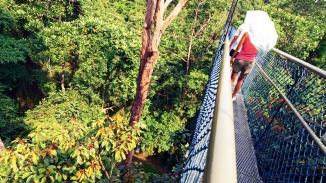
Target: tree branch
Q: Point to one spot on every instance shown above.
(158, 20)
(146, 36)
(202, 26)
(166, 4)
(103, 167)
(173, 14)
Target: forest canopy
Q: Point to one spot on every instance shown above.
(68, 71)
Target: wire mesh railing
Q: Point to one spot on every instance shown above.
(287, 151)
(196, 160)
(194, 167)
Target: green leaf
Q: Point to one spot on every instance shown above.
(41, 170)
(103, 144)
(123, 156)
(46, 162)
(52, 178)
(118, 156)
(35, 159)
(33, 169)
(43, 180)
(92, 153)
(26, 175)
(74, 154)
(86, 153)
(29, 179)
(79, 160)
(64, 177)
(96, 144)
(58, 177)
(73, 178)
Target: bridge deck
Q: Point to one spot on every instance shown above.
(246, 163)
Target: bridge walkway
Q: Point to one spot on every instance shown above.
(247, 169)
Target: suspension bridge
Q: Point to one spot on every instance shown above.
(275, 131)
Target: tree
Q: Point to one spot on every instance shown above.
(150, 53)
(300, 25)
(168, 113)
(71, 140)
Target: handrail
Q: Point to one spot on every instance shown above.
(302, 63)
(303, 122)
(221, 155)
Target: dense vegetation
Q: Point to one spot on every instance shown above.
(68, 72)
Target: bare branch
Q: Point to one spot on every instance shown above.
(202, 26)
(173, 14)
(63, 78)
(158, 19)
(2, 146)
(201, 2)
(166, 4)
(103, 167)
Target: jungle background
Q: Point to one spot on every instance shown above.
(68, 71)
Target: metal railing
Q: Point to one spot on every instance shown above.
(285, 101)
(206, 133)
(194, 167)
(221, 156)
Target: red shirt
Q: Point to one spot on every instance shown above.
(248, 51)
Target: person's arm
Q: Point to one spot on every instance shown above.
(237, 34)
(238, 47)
(233, 40)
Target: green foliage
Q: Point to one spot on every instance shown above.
(6, 21)
(95, 44)
(70, 137)
(12, 50)
(175, 96)
(11, 125)
(320, 56)
(300, 24)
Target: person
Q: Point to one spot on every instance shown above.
(236, 39)
(243, 57)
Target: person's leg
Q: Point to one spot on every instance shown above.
(234, 76)
(239, 84)
(236, 68)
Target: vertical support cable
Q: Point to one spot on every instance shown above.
(221, 156)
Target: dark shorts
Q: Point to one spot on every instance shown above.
(241, 65)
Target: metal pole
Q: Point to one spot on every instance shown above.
(221, 157)
(302, 63)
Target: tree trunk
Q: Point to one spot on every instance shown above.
(192, 37)
(313, 53)
(72, 69)
(149, 53)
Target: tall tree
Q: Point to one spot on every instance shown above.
(149, 54)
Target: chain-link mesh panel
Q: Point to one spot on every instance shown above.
(284, 149)
(196, 160)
